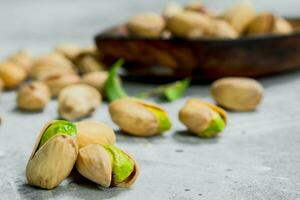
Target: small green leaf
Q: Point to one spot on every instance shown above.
(176, 90)
(113, 88)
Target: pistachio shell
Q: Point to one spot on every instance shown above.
(222, 29)
(94, 163)
(240, 94)
(33, 96)
(50, 164)
(93, 132)
(189, 24)
(132, 116)
(282, 26)
(78, 101)
(240, 15)
(89, 62)
(146, 25)
(261, 24)
(23, 59)
(171, 9)
(11, 74)
(69, 50)
(96, 79)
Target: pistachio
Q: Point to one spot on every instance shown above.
(107, 165)
(262, 23)
(23, 59)
(11, 74)
(96, 79)
(59, 81)
(78, 101)
(197, 6)
(139, 118)
(171, 9)
(223, 29)
(51, 64)
(282, 26)
(203, 118)
(33, 96)
(146, 25)
(53, 156)
(69, 50)
(189, 24)
(93, 132)
(240, 94)
(87, 62)
(240, 15)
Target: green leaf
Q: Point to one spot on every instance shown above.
(176, 90)
(113, 88)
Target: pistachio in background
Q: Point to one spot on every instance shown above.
(11, 74)
(53, 156)
(78, 101)
(237, 93)
(107, 166)
(23, 59)
(33, 96)
(96, 79)
(139, 118)
(94, 132)
(203, 118)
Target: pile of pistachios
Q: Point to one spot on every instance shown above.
(194, 20)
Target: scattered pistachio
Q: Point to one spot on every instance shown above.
(240, 94)
(69, 50)
(93, 132)
(203, 118)
(139, 118)
(107, 166)
(96, 79)
(189, 24)
(23, 59)
(171, 9)
(33, 96)
(58, 82)
(240, 15)
(88, 62)
(11, 74)
(146, 25)
(77, 101)
(53, 156)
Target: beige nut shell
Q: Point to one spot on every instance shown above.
(11, 74)
(33, 96)
(239, 94)
(96, 79)
(53, 162)
(94, 132)
(132, 117)
(23, 59)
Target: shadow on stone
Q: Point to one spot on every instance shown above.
(186, 137)
(123, 137)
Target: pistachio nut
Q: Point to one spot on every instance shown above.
(146, 25)
(261, 24)
(171, 9)
(59, 81)
(93, 132)
(11, 74)
(240, 15)
(51, 64)
(96, 79)
(237, 93)
(222, 29)
(107, 166)
(282, 26)
(87, 62)
(138, 117)
(33, 96)
(203, 118)
(189, 24)
(23, 59)
(53, 156)
(69, 50)
(198, 6)
(78, 101)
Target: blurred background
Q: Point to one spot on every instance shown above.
(38, 24)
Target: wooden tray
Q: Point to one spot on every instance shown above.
(201, 59)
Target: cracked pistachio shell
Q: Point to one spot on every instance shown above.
(107, 166)
(96, 79)
(23, 59)
(146, 25)
(51, 64)
(203, 118)
(33, 96)
(189, 24)
(58, 82)
(240, 15)
(52, 162)
(78, 101)
(139, 118)
(11, 74)
(237, 93)
(93, 132)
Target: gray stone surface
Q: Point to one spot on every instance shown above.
(256, 157)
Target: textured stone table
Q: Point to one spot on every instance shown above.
(256, 157)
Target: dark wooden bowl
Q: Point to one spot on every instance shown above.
(202, 59)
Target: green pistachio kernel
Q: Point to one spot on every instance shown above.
(216, 126)
(61, 127)
(164, 122)
(122, 165)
